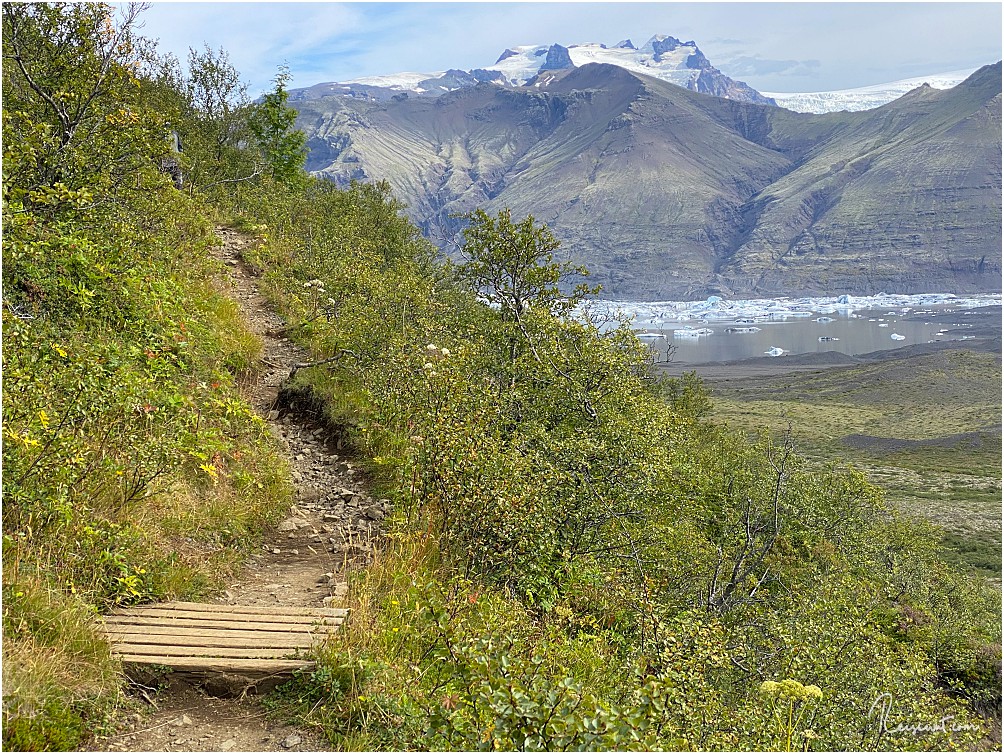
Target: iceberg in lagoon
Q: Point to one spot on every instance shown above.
(741, 311)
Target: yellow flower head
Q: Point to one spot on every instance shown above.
(792, 689)
(789, 688)
(769, 688)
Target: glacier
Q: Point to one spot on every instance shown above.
(865, 97)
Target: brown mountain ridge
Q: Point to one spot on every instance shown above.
(667, 193)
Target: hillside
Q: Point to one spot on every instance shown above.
(666, 193)
(223, 375)
(903, 198)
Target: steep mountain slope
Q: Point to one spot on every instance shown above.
(633, 181)
(902, 198)
(668, 193)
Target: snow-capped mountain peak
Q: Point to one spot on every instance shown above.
(507, 53)
(662, 43)
(662, 57)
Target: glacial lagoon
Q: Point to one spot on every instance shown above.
(717, 330)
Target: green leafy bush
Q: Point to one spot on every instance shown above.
(580, 503)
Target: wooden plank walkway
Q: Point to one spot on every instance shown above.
(194, 637)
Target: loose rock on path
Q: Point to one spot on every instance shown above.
(330, 528)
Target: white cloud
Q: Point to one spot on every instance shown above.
(259, 37)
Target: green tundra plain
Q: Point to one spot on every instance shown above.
(925, 428)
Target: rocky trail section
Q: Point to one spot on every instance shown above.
(330, 529)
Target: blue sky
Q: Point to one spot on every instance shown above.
(778, 47)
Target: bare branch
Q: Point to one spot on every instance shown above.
(297, 366)
(14, 19)
(258, 171)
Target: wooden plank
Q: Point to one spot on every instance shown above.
(149, 614)
(253, 609)
(221, 665)
(262, 609)
(161, 650)
(292, 641)
(198, 641)
(119, 621)
(180, 632)
(216, 641)
(221, 614)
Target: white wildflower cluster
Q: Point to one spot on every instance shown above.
(434, 353)
(327, 305)
(433, 350)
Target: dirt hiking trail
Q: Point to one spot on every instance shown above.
(330, 529)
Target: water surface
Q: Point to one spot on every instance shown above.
(854, 333)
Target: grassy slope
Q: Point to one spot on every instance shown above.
(943, 408)
(133, 467)
(433, 640)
